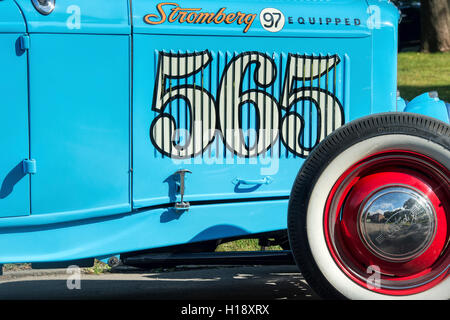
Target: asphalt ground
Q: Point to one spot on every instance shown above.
(182, 283)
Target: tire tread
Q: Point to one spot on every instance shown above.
(322, 155)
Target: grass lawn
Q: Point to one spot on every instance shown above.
(243, 245)
(423, 72)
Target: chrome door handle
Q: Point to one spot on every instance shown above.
(182, 205)
(265, 180)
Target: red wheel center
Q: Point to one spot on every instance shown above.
(389, 212)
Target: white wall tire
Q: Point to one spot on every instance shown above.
(317, 178)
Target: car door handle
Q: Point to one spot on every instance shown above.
(265, 180)
(184, 206)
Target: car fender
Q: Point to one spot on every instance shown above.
(11, 18)
(429, 104)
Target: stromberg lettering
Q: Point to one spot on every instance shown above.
(171, 12)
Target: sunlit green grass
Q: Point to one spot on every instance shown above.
(423, 72)
(243, 245)
(98, 268)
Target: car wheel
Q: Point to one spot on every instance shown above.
(369, 211)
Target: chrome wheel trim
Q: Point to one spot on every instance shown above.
(400, 234)
(315, 214)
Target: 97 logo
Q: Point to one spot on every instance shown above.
(272, 19)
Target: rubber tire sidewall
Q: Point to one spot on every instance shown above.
(332, 282)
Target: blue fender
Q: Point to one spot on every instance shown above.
(430, 105)
(448, 109)
(401, 103)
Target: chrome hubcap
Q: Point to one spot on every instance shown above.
(397, 223)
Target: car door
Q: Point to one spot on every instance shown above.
(14, 147)
(79, 66)
(215, 101)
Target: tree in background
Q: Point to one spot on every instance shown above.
(435, 18)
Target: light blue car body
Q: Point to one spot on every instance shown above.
(85, 171)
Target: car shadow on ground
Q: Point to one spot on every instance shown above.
(219, 283)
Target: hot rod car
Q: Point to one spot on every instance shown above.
(146, 132)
